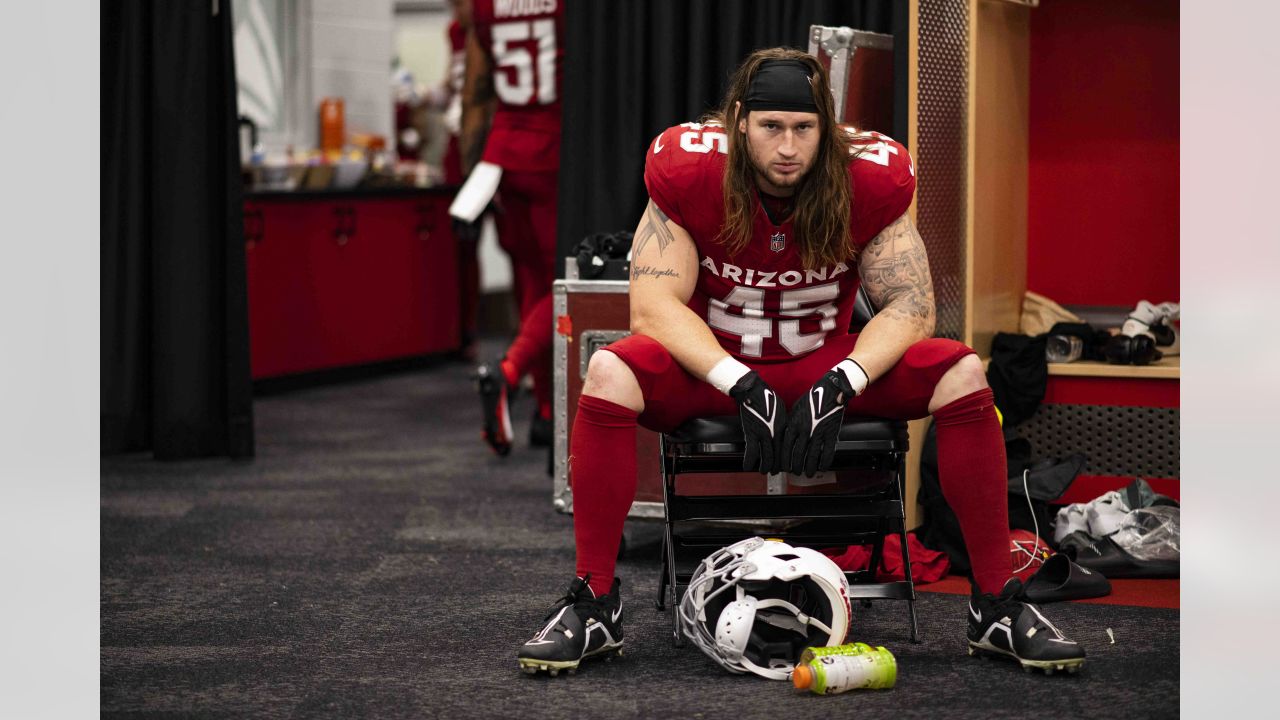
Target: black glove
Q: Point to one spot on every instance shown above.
(810, 442)
(763, 420)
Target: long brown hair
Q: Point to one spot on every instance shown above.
(822, 198)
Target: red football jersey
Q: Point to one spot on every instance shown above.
(762, 304)
(525, 41)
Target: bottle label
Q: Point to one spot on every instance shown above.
(840, 673)
(857, 648)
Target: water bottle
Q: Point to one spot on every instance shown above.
(1063, 349)
(831, 674)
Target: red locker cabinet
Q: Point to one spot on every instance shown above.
(341, 279)
(1124, 418)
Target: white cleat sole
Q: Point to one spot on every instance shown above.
(553, 668)
(1071, 667)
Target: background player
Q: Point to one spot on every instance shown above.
(447, 97)
(514, 52)
(762, 223)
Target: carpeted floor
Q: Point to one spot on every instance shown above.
(375, 561)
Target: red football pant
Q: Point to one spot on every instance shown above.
(527, 231)
(971, 450)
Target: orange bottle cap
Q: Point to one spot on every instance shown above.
(802, 677)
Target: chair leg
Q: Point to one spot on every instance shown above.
(906, 552)
(660, 603)
(672, 588)
(667, 584)
(911, 601)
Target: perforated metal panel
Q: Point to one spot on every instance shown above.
(942, 119)
(1129, 441)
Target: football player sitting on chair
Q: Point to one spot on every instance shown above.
(762, 223)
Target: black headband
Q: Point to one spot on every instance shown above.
(781, 85)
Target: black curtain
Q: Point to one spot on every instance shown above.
(175, 344)
(636, 67)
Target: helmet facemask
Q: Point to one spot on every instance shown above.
(755, 605)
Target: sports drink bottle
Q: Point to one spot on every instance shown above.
(857, 648)
(831, 674)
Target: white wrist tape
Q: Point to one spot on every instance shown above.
(854, 373)
(726, 374)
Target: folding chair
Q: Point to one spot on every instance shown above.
(696, 525)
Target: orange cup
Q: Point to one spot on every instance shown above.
(332, 125)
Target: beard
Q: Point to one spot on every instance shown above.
(779, 180)
(772, 178)
(768, 179)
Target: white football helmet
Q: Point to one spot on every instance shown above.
(756, 605)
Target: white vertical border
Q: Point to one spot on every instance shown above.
(49, 376)
(1231, 350)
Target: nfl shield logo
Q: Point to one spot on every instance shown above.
(777, 242)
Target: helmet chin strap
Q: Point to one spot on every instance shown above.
(795, 621)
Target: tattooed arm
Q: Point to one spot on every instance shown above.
(895, 272)
(664, 271)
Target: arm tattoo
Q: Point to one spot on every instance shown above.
(651, 271)
(895, 272)
(655, 225)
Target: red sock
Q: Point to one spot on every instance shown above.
(973, 473)
(542, 384)
(532, 346)
(602, 466)
(509, 373)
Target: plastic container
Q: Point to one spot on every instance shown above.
(278, 172)
(812, 653)
(1063, 349)
(319, 176)
(349, 171)
(832, 674)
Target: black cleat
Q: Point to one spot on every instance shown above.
(579, 626)
(1010, 627)
(495, 407)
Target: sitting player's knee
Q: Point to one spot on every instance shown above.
(969, 374)
(609, 378)
(963, 378)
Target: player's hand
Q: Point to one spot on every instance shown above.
(763, 422)
(468, 232)
(810, 441)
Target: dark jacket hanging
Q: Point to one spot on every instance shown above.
(174, 358)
